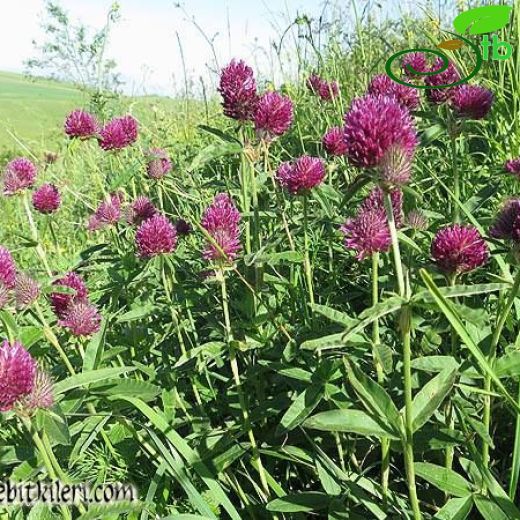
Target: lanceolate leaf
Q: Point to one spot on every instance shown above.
(304, 404)
(456, 509)
(353, 421)
(431, 397)
(443, 478)
(300, 503)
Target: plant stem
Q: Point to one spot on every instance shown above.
(492, 353)
(456, 178)
(306, 259)
(34, 233)
(450, 417)
(405, 325)
(515, 467)
(385, 443)
(236, 377)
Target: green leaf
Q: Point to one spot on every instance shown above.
(434, 363)
(464, 335)
(86, 378)
(489, 509)
(375, 399)
(374, 313)
(324, 343)
(333, 315)
(484, 19)
(508, 365)
(95, 347)
(353, 421)
(456, 509)
(136, 314)
(431, 397)
(459, 291)
(300, 409)
(444, 479)
(299, 503)
(293, 257)
(214, 151)
(219, 133)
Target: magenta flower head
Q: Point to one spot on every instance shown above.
(414, 63)
(26, 291)
(513, 167)
(156, 236)
(60, 301)
(119, 133)
(367, 233)
(140, 210)
(221, 220)
(7, 269)
(334, 141)
(19, 174)
(459, 249)
(314, 83)
(328, 90)
(17, 372)
(375, 124)
(46, 199)
(375, 200)
(507, 223)
(449, 76)
(159, 164)
(108, 213)
(472, 101)
(299, 177)
(81, 124)
(238, 90)
(273, 116)
(82, 319)
(383, 85)
(42, 394)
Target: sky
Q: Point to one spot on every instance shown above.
(145, 42)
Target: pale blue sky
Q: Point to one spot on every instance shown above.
(144, 43)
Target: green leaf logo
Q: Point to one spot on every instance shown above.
(485, 19)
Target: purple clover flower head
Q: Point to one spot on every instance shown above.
(82, 319)
(140, 210)
(5, 295)
(81, 124)
(119, 133)
(238, 90)
(42, 394)
(395, 168)
(449, 76)
(513, 167)
(156, 236)
(159, 164)
(328, 90)
(367, 233)
(7, 269)
(375, 200)
(314, 83)
(334, 141)
(472, 102)
(19, 174)
(302, 175)
(373, 125)
(46, 199)
(108, 213)
(417, 220)
(383, 85)
(17, 372)
(507, 223)
(459, 249)
(273, 116)
(26, 291)
(414, 61)
(221, 220)
(60, 301)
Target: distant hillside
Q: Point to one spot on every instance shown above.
(33, 109)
